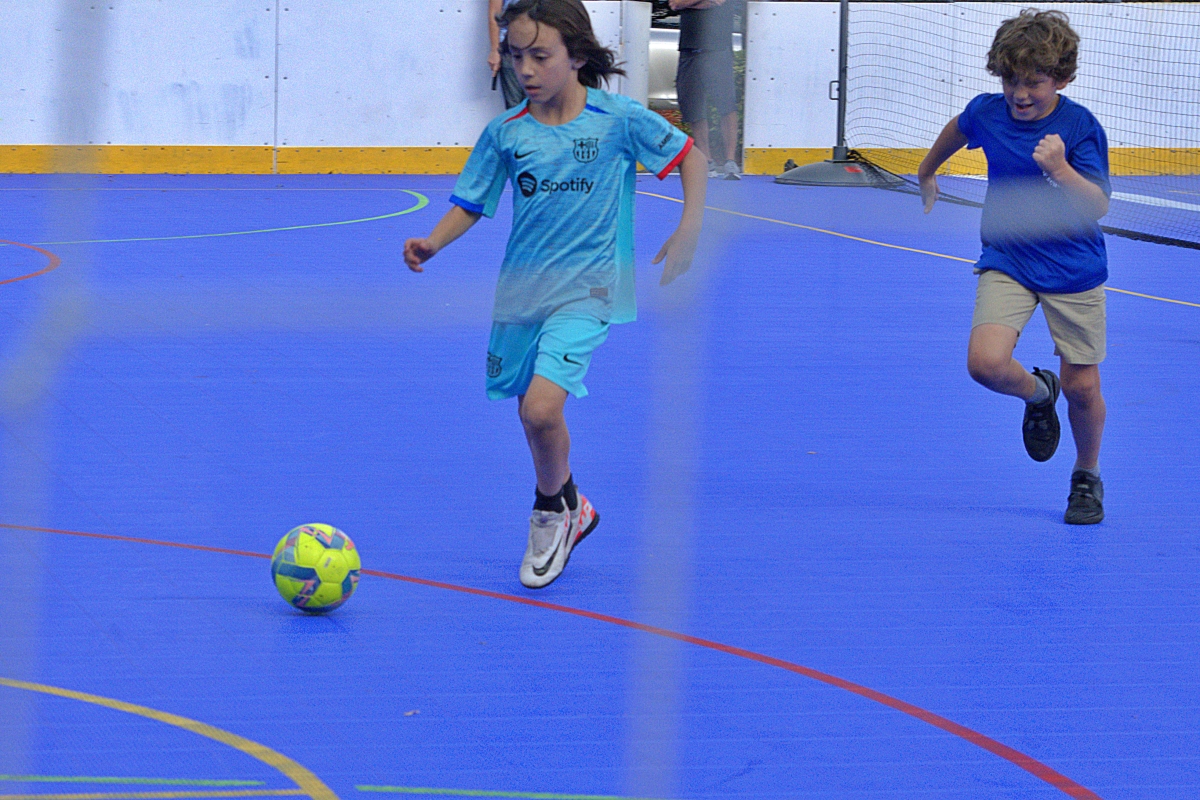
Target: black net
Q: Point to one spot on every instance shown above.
(914, 66)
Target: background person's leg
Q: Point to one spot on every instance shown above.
(510, 85)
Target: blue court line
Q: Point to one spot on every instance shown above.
(422, 201)
(898, 246)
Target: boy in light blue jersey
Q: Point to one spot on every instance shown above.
(1048, 187)
(570, 152)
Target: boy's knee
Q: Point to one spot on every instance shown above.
(1081, 386)
(539, 415)
(985, 367)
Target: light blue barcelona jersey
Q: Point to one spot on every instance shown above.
(573, 190)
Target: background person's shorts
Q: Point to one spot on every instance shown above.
(1077, 321)
(559, 349)
(705, 74)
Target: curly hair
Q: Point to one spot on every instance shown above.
(1036, 41)
(571, 20)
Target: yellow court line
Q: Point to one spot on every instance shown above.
(309, 783)
(156, 795)
(896, 246)
(1153, 297)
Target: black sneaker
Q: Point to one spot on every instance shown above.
(1040, 428)
(1085, 504)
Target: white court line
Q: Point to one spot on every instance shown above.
(1141, 199)
(1147, 200)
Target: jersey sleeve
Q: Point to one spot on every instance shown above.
(967, 122)
(658, 144)
(1089, 155)
(482, 180)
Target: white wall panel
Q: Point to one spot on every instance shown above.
(791, 56)
(173, 73)
(410, 74)
(361, 73)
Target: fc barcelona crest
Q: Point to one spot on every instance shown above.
(586, 150)
(493, 367)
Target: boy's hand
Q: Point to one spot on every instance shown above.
(679, 251)
(929, 192)
(494, 61)
(1051, 154)
(417, 252)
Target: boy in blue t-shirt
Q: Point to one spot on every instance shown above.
(1047, 189)
(571, 153)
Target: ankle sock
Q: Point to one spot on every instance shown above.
(1041, 392)
(1094, 471)
(570, 495)
(548, 502)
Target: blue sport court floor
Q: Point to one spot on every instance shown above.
(826, 567)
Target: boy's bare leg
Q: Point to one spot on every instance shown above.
(1085, 409)
(541, 410)
(990, 361)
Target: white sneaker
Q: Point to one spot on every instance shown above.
(549, 532)
(731, 171)
(545, 562)
(714, 171)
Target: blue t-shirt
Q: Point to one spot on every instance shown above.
(573, 190)
(1030, 230)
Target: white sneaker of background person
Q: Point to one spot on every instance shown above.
(548, 548)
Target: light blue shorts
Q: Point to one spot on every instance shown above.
(559, 349)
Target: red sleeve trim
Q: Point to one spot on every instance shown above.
(677, 160)
(522, 113)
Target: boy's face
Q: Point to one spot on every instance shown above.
(1031, 96)
(541, 60)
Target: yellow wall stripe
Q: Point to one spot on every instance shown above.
(205, 160)
(309, 783)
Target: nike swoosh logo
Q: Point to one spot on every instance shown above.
(522, 155)
(549, 561)
(569, 361)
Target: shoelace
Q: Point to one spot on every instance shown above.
(543, 535)
(1083, 488)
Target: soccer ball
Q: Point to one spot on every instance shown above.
(315, 567)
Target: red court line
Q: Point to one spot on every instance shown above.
(54, 261)
(1027, 763)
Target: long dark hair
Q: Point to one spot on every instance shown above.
(570, 19)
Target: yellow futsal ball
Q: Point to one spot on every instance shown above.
(315, 567)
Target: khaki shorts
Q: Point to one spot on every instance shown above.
(1077, 321)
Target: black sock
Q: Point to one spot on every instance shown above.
(569, 494)
(548, 502)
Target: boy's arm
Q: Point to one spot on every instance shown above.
(949, 142)
(681, 247)
(1087, 197)
(456, 222)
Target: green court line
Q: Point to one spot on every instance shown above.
(140, 781)
(422, 201)
(490, 793)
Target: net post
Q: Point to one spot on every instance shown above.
(839, 151)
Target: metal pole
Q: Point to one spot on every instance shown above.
(839, 151)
